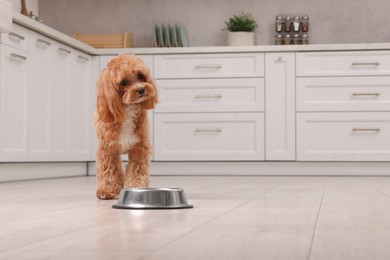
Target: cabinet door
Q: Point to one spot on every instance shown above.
(210, 95)
(14, 80)
(40, 98)
(233, 65)
(79, 106)
(209, 137)
(343, 136)
(60, 79)
(280, 106)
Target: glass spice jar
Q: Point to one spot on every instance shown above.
(305, 38)
(287, 23)
(305, 23)
(279, 24)
(278, 39)
(295, 39)
(287, 39)
(296, 24)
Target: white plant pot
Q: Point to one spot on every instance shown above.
(241, 38)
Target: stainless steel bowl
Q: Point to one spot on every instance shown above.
(152, 198)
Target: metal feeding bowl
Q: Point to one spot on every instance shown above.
(152, 198)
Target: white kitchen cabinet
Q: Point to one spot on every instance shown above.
(280, 106)
(209, 137)
(59, 102)
(346, 136)
(211, 107)
(343, 106)
(14, 91)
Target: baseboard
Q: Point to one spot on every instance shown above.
(267, 168)
(32, 171)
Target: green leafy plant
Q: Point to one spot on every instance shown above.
(241, 23)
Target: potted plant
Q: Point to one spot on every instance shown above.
(241, 30)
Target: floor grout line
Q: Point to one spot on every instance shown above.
(377, 189)
(316, 223)
(214, 218)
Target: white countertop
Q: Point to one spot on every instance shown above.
(63, 38)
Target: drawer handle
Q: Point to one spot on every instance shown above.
(43, 42)
(82, 58)
(365, 64)
(18, 57)
(208, 96)
(16, 36)
(208, 130)
(366, 129)
(63, 50)
(365, 94)
(208, 66)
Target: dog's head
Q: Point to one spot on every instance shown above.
(125, 81)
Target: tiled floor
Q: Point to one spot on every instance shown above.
(233, 218)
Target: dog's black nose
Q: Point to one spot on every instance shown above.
(141, 91)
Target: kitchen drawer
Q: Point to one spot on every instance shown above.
(209, 137)
(18, 38)
(209, 66)
(353, 136)
(343, 63)
(211, 95)
(343, 94)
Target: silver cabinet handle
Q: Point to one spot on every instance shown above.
(18, 57)
(209, 130)
(19, 37)
(82, 58)
(208, 96)
(43, 42)
(366, 129)
(63, 50)
(365, 94)
(365, 64)
(208, 66)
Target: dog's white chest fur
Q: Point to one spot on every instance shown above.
(127, 138)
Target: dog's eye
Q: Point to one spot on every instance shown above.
(124, 82)
(141, 77)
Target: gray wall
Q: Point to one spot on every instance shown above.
(331, 21)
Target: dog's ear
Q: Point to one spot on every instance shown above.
(150, 103)
(109, 104)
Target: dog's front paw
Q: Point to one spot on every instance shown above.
(107, 194)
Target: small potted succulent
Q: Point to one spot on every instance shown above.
(241, 30)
